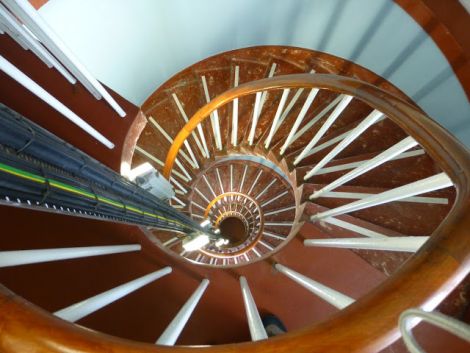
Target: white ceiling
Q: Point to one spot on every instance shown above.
(133, 46)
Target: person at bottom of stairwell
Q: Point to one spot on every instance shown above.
(273, 325)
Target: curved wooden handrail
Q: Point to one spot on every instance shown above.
(369, 324)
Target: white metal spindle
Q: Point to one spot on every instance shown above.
(363, 195)
(79, 310)
(380, 159)
(308, 102)
(24, 257)
(209, 186)
(353, 227)
(359, 129)
(30, 17)
(41, 93)
(159, 162)
(435, 182)
(277, 116)
(182, 189)
(407, 244)
(255, 324)
(202, 148)
(220, 181)
(202, 195)
(254, 120)
(320, 115)
(326, 125)
(214, 116)
(266, 188)
(176, 326)
(240, 189)
(352, 165)
(285, 209)
(274, 198)
(254, 182)
(192, 161)
(235, 109)
(328, 294)
(23, 36)
(259, 103)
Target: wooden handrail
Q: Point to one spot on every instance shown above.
(369, 324)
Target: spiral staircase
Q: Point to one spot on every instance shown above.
(319, 175)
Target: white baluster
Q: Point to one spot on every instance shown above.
(235, 109)
(407, 244)
(326, 125)
(30, 17)
(79, 310)
(23, 257)
(277, 116)
(19, 33)
(308, 102)
(435, 182)
(214, 116)
(353, 134)
(41, 93)
(364, 167)
(255, 324)
(328, 294)
(202, 149)
(176, 326)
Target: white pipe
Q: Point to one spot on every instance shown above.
(255, 324)
(308, 102)
(23, 257)
(326, 125)
(255, 182)
(407, 244)
(12, 23)
(411, 317)
(335, 298)
(176, 326)
(30, 17)
(79, 310)
(435, 182)
(40, 92)
(353, 134)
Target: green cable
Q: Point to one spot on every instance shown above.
(74, 190)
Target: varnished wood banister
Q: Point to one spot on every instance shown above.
(369, 324)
